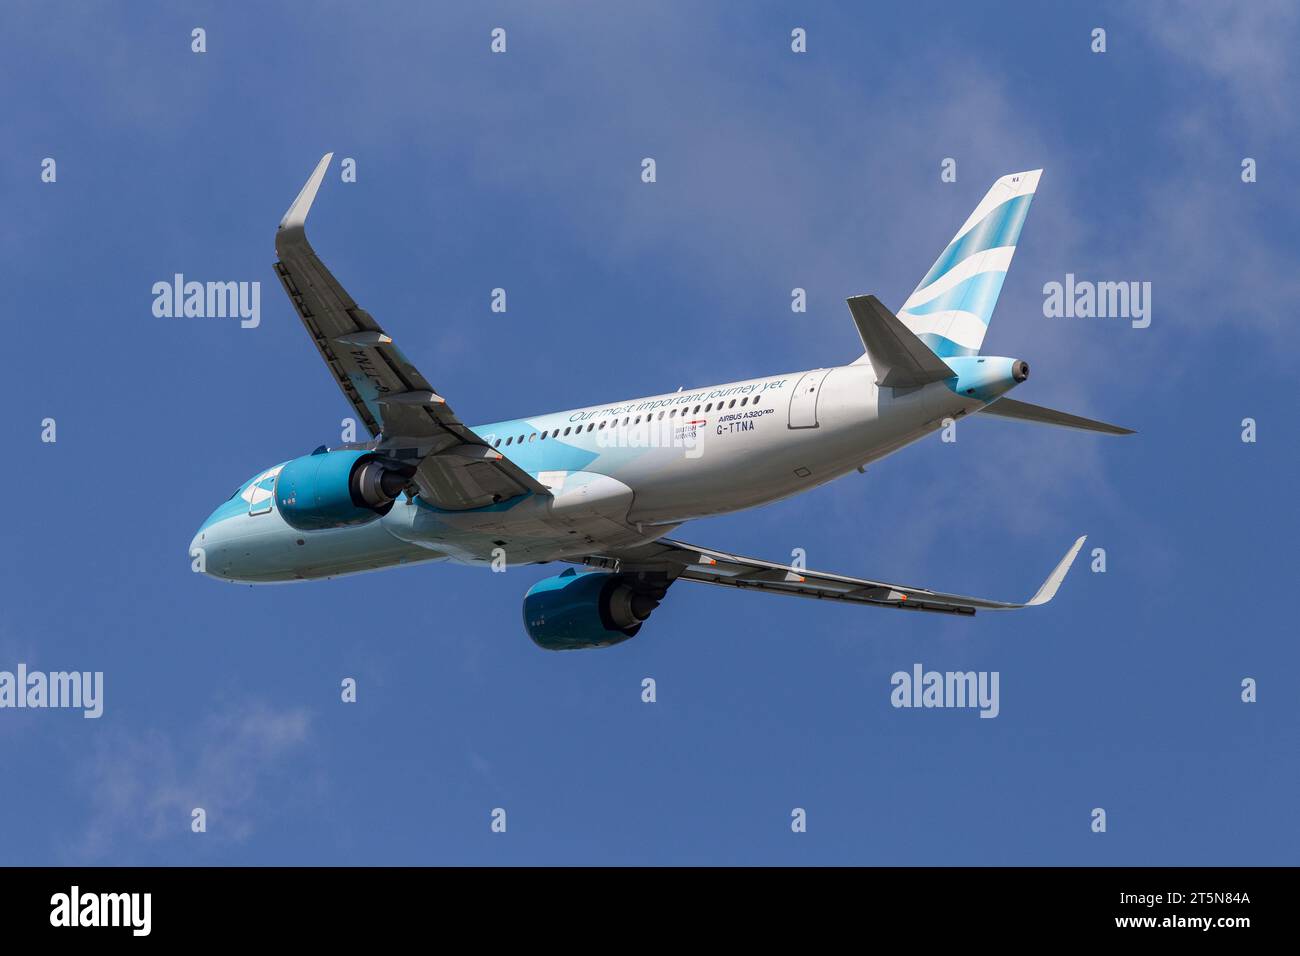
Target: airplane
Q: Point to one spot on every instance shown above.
(600, 488)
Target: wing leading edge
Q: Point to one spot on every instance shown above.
(681, 561)
(403, 412)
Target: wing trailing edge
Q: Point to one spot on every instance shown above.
(678, 560)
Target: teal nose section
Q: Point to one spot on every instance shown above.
(210, 546)
(204, 548)
(986, 377)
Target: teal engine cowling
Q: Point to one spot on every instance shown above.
(572, 611)
(336, 489)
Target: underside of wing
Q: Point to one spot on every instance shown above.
(680, 561)
(407, 418)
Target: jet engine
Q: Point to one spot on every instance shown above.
(572, 611)
(335, 489)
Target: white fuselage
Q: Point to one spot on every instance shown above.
(619, 474)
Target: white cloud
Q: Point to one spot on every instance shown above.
(1248, 47)
(143, 786)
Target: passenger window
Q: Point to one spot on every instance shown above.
(732, 403)
(744, 402)
(756, 398)
(567, 430)
(510, 439)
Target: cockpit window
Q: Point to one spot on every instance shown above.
(258, 489)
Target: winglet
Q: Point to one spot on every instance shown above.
(1048, 590)
(291, 226)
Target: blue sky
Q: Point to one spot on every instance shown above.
(775, 170)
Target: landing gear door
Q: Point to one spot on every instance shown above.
(803, 402)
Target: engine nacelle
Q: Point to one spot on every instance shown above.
(335, 489)
(572, 611)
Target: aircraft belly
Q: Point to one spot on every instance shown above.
(264, 549)
(585, 511)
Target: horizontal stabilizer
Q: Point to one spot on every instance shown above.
(901, 360)
(1010, 408)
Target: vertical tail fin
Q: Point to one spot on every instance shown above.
(950, 308)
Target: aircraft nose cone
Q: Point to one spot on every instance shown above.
(198, 553)
(1020, 371)
(205, 551)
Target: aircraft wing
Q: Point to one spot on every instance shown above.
(407, 417)
(687, 562)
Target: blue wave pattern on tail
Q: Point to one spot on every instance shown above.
(951, 307)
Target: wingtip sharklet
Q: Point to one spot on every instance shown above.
(1053, 582)
(296, 218)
